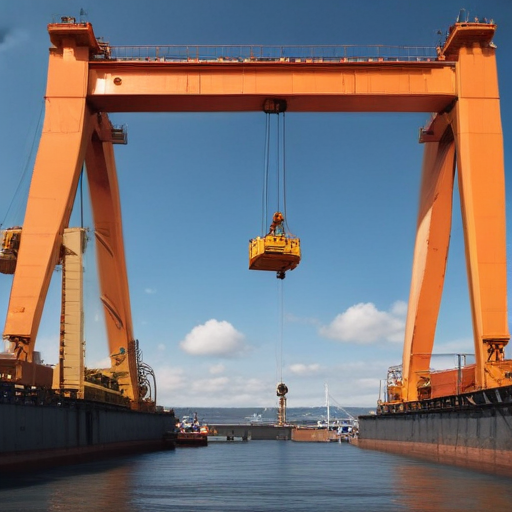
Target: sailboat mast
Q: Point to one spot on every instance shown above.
(327, 405)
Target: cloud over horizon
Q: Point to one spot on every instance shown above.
(364, 324)
(304, 369)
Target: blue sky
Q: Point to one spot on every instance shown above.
(191, 187)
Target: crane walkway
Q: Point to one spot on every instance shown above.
(265, 53)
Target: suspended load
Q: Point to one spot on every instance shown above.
(9, 250)
(276, 251)
(281, 391)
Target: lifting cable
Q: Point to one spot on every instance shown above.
(280, 196)
(278, 166)
(276, 250)
(266, 175)
(281, 329)
(284, 174)
(81, 186)
(280, 173)
(17, 214)
(280, 281)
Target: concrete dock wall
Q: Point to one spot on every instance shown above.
(253, 432)
(479, 438)
(45, 432)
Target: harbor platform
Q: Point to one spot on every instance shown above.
(254, 432)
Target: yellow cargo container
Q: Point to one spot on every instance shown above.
(277, 253)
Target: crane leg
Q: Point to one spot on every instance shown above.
(106, 208)
(430, 253)
(481, 173)
(52, 192)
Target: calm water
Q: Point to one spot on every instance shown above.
(256, 476)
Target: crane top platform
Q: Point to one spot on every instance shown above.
(466, 34)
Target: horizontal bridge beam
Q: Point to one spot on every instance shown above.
(133, 86)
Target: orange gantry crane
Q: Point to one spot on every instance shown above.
(86, 81)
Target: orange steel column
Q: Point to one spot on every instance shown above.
(106, 207)
(476, 131)
(430, 254)
(65, 134)
(478, 135)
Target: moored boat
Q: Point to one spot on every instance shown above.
(190, 432)
(191, 439)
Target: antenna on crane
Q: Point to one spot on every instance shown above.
(83, 14)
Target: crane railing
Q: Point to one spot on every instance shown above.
(259, 53)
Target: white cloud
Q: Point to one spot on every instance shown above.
(161, 347)
(214, 338)
(102, 363)
(367, 383)
(211, 386)
(177, 389)
(171, 382)
(399, 308)
(350, 384)
(364, 324)
(458, 346)
(150, 291)
(300, 320)
(304, 369)
(217, 368)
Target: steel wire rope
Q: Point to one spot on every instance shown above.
(279, 344)
(280, 189)
(82, 197)
(25, 168)
(266, 165)
(281, 327)
(278, 165)
(284, 175)
(281, 194)
(338, 405)
(280, 176)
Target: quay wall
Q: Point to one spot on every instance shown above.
(478, 438)
(253, 432)
(55, 433)
(318, 435)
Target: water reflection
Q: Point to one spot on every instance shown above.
(425, 487)
(258, 476)
(82, 488)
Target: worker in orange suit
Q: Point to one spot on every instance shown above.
(277, 228)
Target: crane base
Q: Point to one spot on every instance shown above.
(25, 373)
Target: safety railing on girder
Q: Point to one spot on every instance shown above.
(497, 398)
(259, 53)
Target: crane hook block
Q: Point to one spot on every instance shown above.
(281, 389)
(277, 251)
(274, 106)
